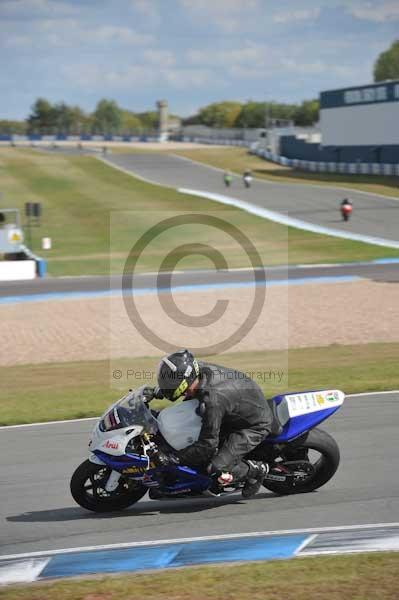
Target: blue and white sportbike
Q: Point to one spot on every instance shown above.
(120, 470)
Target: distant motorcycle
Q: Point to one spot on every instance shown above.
(121, 467)
(227, 179)
(247, 179)
(346, 209)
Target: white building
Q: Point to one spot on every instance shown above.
(367, 115)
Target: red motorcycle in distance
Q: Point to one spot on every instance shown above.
(346, 209)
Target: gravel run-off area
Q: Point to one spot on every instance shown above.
(291, 316)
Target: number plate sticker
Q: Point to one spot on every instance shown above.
(309, 402)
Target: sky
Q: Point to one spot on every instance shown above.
(189, 52)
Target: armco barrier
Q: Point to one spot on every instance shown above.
(330, 167)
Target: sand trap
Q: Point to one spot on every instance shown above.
(294, 316)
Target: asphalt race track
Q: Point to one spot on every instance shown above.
(377, 216)
(377, 271)
(37, 512)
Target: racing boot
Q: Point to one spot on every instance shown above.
(256, 473)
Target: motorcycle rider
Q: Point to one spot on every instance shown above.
(227, 178)
(247, 178)
(346, 202)
(346, 208)
(233, 409)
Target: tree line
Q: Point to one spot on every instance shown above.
(59, 118)
(255, 114)
(108, 118)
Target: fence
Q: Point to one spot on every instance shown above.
(348, 168)
(330, 167)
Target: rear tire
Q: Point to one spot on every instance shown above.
(87, 489)
(324, 468)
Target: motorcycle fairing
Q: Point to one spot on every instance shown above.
(185, 477)
(180, 424)
(113, 442)
(300, 412)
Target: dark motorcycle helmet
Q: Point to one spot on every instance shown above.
(176, 372)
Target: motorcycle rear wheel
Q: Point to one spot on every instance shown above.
(88, 489)
(323, 468)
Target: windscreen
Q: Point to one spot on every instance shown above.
(129, 410)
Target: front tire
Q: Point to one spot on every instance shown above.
(323, 469)
(88, 489)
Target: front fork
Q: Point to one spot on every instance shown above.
(113, 481)
(114, 477)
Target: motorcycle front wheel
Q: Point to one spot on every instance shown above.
(315, 458)
(88, 489)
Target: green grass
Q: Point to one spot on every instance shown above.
(356, 577)
(78, 193)
(238, 160)
(56, 391)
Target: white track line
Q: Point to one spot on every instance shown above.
(48, 423)
(210, 538)
(284, 219)
(372, 393)
(24, 571)
(308, 541)
(268, 214)
(94, 418)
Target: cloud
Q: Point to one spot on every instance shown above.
(162, 58)
(255, 61)
(249, 54)
(93, 77)
(182, 78)
(16, 40)
(36, 9)
(297, 15)
(114, 34)
(377, 12)
(147, 9)
(227, 15)
(71, 33)
(219, 6)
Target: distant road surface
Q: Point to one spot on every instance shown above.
(373, 215)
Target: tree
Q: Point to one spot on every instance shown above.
(69, 119)
(257, 114)
(107, 117)
(387, 64)
(220, 114)
(307, 114)
(12, 127)
(43, 118)
(149, 120)
(130, 124)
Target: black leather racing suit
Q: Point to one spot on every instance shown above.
(236, 419)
